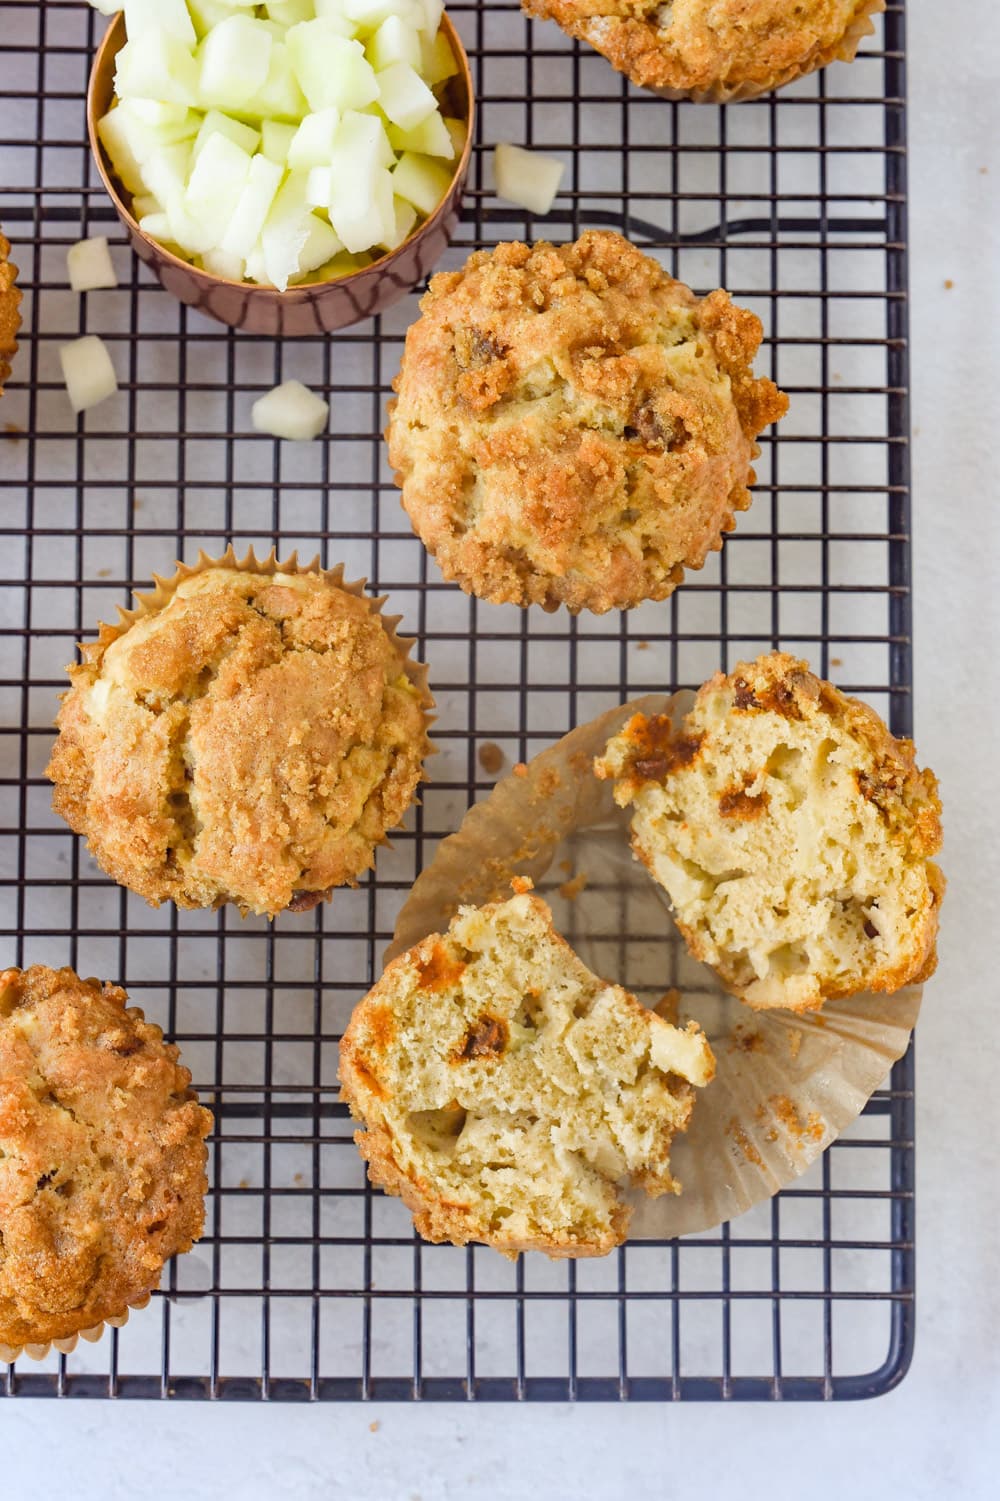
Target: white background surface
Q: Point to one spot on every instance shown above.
(938, 1435)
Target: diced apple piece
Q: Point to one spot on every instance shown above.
(319, 187)
(170, 16)
(147, 138)
(403, 95)
(361, 145)
(343, 264)
(405, 219)
(234, 59)
(437, 61)
(145, 203)
(221, 263)
(322, 244)
(87, 371)
(275, 139)
(207, 13)
(216, 123)
(214, 189)
(88, 263)
(166, 172)
(156, 66)
(119, 142)
(368, 15)
(151, 112)
(256, 270)
(286, 230)
(431, 138)
(291, 411)
(280, 98)
(432, 11)
(158, 227)
(421, 181)
(395, 41)
(250, 215)
(330, 68)
(333, 10)
(314, 139)
(290, 12)
(363, 221)
(458, 130)
(526, 177)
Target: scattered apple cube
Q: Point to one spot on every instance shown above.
(526, 177)
(88, 372)
(291, 411)
(234, 58)
(421, 181)
(88, 263)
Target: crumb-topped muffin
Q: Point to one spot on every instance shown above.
(250, 738)
(573, 426)
(102, 1155)
(509, 1095)
(792, 833)
(714, 50)
(10, 311)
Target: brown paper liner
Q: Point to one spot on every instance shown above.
(786, 1085)
(844, 49)
(156, 599)
(10, 310)
(67, 1345)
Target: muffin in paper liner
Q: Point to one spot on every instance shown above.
(10, 310)
(67, 1346)
(600, 31)
(786, 1085)
(69, 770)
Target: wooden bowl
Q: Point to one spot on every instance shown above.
(318, 307)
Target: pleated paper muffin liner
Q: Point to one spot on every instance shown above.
(786, 1085)
(67, 1345)
(153, 601)
(844, 49)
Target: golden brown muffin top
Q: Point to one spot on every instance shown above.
(573, 426)
(102, 1155)
(10, 311)
(693, 47)
(792, 832)
(249, 741)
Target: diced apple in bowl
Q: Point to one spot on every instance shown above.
(282, 141)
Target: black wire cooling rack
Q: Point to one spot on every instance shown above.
(308, 1285)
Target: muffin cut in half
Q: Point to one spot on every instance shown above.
(792, 833)
(508, 1095)
(249, 736)
(102, 1156)
(10, 311)
(573, 426)
(714, 50)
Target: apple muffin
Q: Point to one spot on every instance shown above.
(714, 50)
(249, 737)
(102, 1156)
(508, 1095)
(792, 833)
(573, 426)
(10, 311)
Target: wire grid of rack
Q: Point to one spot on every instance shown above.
(308, 1285)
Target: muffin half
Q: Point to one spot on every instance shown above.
(792, 833)
(102, 1156)
(714, 50)
(573, 426)
(248, 736)
(10, 311)
(508, 1094)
